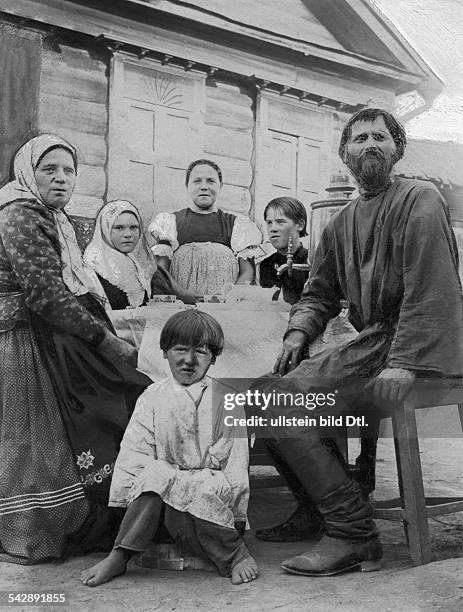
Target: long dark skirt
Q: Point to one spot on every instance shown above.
(42, 500)
(64, 411)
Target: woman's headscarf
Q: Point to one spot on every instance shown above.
(78, 278)
(131, 272)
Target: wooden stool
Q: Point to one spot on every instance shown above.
(413, 508)
(259, 456)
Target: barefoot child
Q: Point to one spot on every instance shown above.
(177, 461)
(285, 218)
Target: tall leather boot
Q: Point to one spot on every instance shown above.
(351, 540)
(305, 523)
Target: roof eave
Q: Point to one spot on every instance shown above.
(423, 79)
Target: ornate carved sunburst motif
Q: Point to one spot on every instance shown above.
(163, 90)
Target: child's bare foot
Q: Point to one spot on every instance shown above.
(244, 571)
(113, 565)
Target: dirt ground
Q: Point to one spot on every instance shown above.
(399, 586)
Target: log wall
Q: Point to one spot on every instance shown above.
(228, 140)
(73, 104)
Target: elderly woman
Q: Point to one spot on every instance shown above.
(123, 262)
(203, 246)
(65, 375)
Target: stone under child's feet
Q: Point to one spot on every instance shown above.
(245, 571)
(112, 566)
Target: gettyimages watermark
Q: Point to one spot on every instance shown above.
(259, 406)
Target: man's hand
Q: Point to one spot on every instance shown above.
(392, 384)
(291, 353)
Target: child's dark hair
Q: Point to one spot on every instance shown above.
(202, 162)
(192, 328)
(291, 208)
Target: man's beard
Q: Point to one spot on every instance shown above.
(371, 170)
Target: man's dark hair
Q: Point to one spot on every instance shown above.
(202, 162)
(291, 208)
(396, 129)
(192, 328)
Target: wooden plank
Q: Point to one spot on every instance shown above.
(234, 171)
(78, 84)
(390, 509)
(116, 121)
(227, 142)
(18, 31)
(59, 111)
(300, 120)
(266, 482)
(432, 393)
(94, 21)
(338, 122)
(259, 187)
(91, 148)
(78, 59)
(20, 68)
(235, 199)
(231, 93)
(439, 507)
(396, 44)
(91, 181)
(368, 27)
(405, 433)
(290, 18)
(84, 205)
(388, 514)
(225, 114)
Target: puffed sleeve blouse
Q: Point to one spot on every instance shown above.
(245, 237)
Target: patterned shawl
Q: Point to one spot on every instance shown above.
(131, 272)
(77, 277)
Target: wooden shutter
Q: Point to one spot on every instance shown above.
(155, 133)
(292, 152)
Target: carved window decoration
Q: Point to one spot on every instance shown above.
(160, 88)
(164, 91)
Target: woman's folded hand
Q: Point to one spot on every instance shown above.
(113, 348)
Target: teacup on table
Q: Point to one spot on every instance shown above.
(214, 299)
(166, 299)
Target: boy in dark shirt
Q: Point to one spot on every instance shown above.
(286, 218)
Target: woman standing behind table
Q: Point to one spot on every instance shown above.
(65, 374)
(123, 262)
(203, 246)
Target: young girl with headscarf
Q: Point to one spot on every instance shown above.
(124, 264)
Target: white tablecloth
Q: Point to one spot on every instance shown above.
(253, 335)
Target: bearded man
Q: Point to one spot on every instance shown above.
(392, 255)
